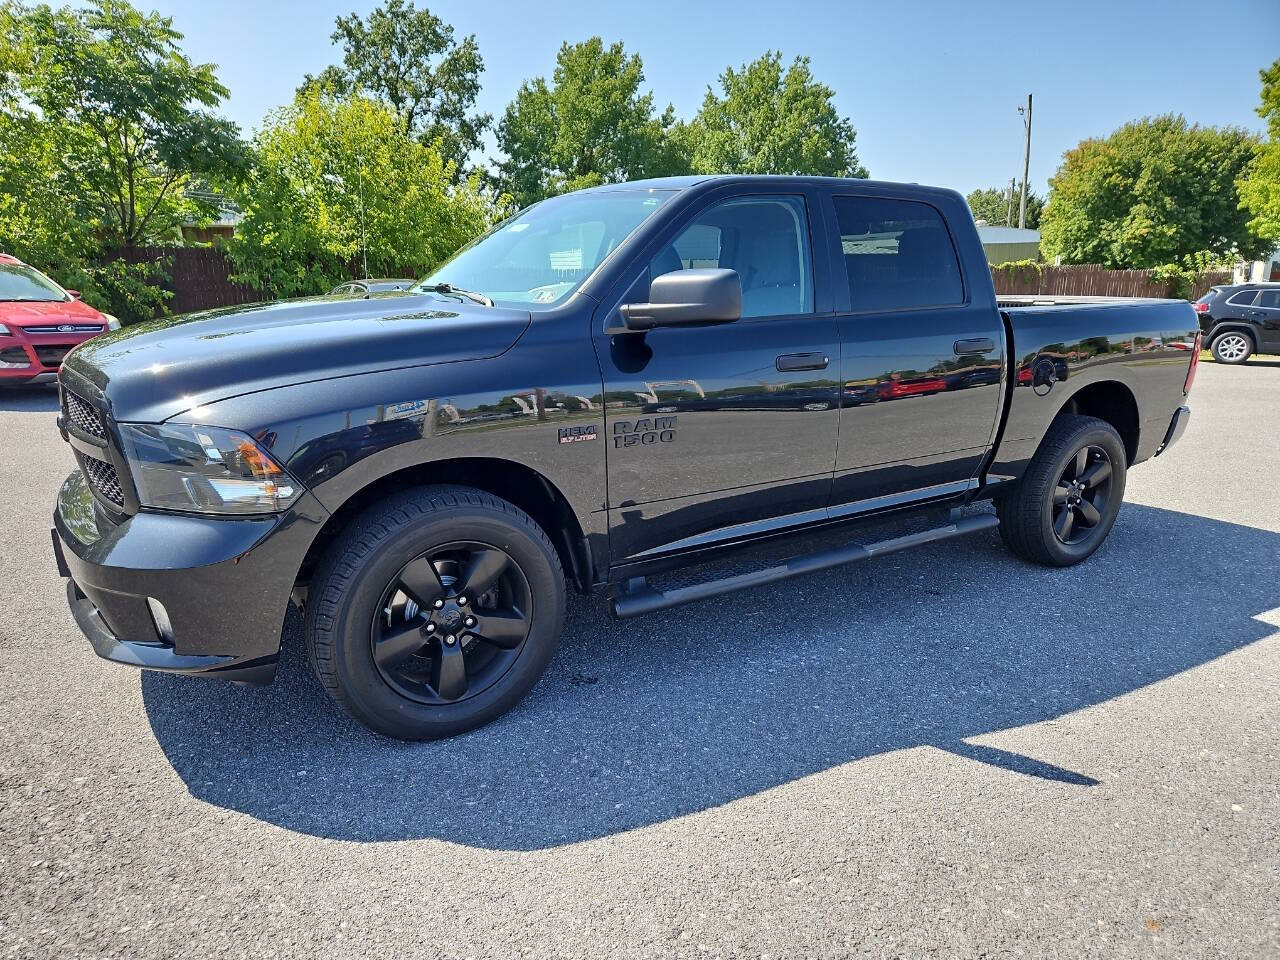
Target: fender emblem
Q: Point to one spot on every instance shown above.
(577, 434)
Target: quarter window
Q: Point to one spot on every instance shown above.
(897, 254)
(765, 239)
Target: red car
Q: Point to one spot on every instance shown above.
(39, 323)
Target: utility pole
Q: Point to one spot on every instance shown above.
(1026, 164)
(364, 241)
(1008, 219)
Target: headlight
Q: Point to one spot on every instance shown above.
(112, 322)
(177, 466)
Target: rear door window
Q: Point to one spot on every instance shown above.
(1268, 298)
(898, 254)
(1243, 298)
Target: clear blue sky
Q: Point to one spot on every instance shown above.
(932, 87)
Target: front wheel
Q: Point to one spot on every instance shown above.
(1232, 348)
(1067, 502)
(435, 612)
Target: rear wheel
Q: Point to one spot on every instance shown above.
(1232, 347)
(1067, 502)
(435, 612)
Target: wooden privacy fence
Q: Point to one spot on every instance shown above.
(1087, 280)
(200, 278)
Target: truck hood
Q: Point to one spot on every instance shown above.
(156, 370)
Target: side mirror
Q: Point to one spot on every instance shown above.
(74, 294)
(687, 297)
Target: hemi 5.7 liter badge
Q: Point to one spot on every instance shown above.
(577, 434)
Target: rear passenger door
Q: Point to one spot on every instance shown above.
(1266, 314)
(922, 357)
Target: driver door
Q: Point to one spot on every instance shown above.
(713, 433)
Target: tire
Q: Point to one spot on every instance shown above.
(403, 568)
(1232, 347)
(1032, 520)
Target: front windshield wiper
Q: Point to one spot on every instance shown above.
(31, 300)
(457, 291)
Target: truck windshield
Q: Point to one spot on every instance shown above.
(540, 256)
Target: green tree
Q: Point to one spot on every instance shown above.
(410, 59)
(1260, 187)
(992, 205)
(319, 162)
(590, 125)
(770, 120)
(127, 112)
(1154, 192)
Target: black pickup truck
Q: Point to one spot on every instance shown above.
(606, 386)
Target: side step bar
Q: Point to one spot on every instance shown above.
(636, 596)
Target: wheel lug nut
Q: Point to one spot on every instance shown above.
(438, 604)
(450, 640)
(430, 628)
(462, 601)
(470, 621)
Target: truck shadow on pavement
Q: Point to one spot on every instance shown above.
(642, 721)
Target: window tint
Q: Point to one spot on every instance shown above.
(897, 253)
(1268, 298)
(1243, 298)
(765, 239)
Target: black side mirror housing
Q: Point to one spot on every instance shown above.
(681, 298)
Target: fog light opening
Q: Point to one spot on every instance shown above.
(160, 616)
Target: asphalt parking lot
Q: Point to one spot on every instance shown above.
(942, 753)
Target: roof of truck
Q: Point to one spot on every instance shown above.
(681, 183)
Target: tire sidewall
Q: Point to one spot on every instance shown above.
(388, 711)
(1095, 436)
(1218, 341)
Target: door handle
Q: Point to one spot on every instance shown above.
(791, 362)
(976, 345)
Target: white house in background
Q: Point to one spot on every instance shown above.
(1005, 244)
(1268, 268)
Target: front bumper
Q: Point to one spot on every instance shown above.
(180, 593)
(35, 358)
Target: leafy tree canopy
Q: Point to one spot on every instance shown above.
(323, 159)
(410, 59)
(1260, 188)
(771, 120)
(590, 125)
(118, 115)
(1155, 191)
(992, 205)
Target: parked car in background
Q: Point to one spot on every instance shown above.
(1240, 320)
(39, 323)
(362, 288)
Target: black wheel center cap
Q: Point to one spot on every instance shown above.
(450, 618)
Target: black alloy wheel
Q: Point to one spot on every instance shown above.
(451, 622)
(1067, 500)
(1080, 498)
(434, 611)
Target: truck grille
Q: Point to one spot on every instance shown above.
(80, 413)
(103, 479)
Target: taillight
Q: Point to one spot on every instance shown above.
(1195, 362)
(1201, 307)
